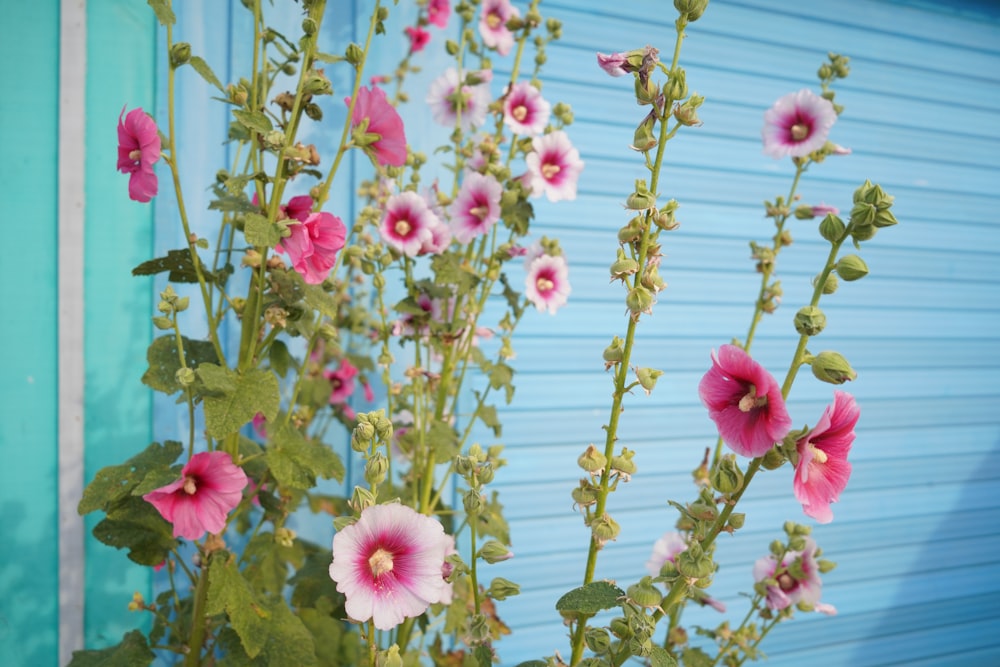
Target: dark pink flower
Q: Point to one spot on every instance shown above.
(493, 25)
(369, 392)
(797, 124)
(554, 167)
(525, 111)
(418, 37)
(547, 282)
(259, 423)
(138, 150)
(438, 12)
(744, 401)
(407, 223)
(298, 208)
(795, 581)
(380, 126)
(823, 470)
(341, 382)
(389, 564)
(210, 486)
(476, 207)
(313, 245)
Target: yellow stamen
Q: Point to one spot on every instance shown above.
(819, 456)
(402, 227)
(519, 112)
(380, 562)
(135, 155)
(493, 21)
(544, 284)
(190, 487)
(550, 170)
(800, 131)
(752, 400)
(480, 211)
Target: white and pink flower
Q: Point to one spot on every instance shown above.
(493, 25)
(476, 208)
(554, 167)
(797, 124)
(547, 282)
(454, 102)
(407, 223)
(525, 111)
(794, 581)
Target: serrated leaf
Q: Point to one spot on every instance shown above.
(450, 269)
(316, 298)
(488, 415)
(590, 598)
(177, 262)
(661, 657)
(133, 651)
(444, 440)
(229, 593)
(502, 376)
(115, 483)
(164, 14)
(164, 362)
(136, 525)
(512, 296)
(254, 391)
(205, 71)
(296, 462)
(695, 657)
(255, 121)
(260, 232)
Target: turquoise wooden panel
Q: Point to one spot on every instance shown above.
(29, 573)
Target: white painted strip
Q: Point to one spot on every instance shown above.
(72, 107)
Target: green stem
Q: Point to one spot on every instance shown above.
(193, 658)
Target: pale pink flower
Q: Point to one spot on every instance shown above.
(796, 579)
(439, 239)
(210, 486)
(389, 564)
(554, 167)
(823, 470)
(464, 104)
(375, 116)
(797, 124)
(744, 401)
(138, 150)
(525, 111)
(493, 25)
(341, 382)
(407, 223)
(476, 207)
(665, 550)
(547, 282)
(418, 38)
(313, 245)
(821, 210)
(438, 12)
(614, 64)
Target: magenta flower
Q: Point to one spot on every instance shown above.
(493, 25)
(407, 223)
(463, 104)
(547, 282)
(797, 124)
(389, 564)
(554, 167)
(341, 382)
(525, 111)
(210, 486)
(795, 581)
(477, 206)
(298, 208)
(387, 139)
(138, 150)
(438, 12)
(823, 470)
(744, 401)
(418, 38)
(313, 245)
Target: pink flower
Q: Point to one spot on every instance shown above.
(797, 124)
(744, 401)
(465, 105)
(389, 564)
(438, 12)
(795, 581)
(313, 245)
(298, 208)
(383, 123)
(525, 111)
(823, 470)
(477, 206)
(210, 486)
(418, 38)
(138, 150)
(614, 64)
(665, 550)
(493, 25)
(554, 167)
(547, 282)
(259, 423)
(368, 391)
(439, 240)
(407, 223)
(341, 382)
(822, 210)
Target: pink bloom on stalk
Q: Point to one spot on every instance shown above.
(369, 392)
(341, 382)
(613, 64)
(547, 282)
(447, 101)
(477, 206)
(525, 111)
(821, 210)
(259, 423)
(298, 208)
(554, 167)
(389, 564)
(313, 245)
(665, 550)
(439, 239)
(138, 150)
(789, 589)
(438, 12)
(744, 401)
(383, 119)
(210, 486)
(823, 470)
(407, 223)
(797, 124)
(493, 25)
(418, 38)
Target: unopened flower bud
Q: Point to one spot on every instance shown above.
(737, 519)
(598, 640)
(810, 320)
(645, 594)
(376, 469)
(884, 218)
(631, 232)
(643, 139)
(474, 503)
(180, 54)
(851, 267)
(863, 214)
(797, 543)
(163, 323)
(309, 26)
(830, 285)
(646, 90)
(676, 88)
(691, 9)
(825, 566)
(642, 199)
(592, 460)
(361, 499)
(501, 589)
(614, 353)
(804, 212)
(354, 54)
(620, 628)
(495, 552)
(361, 436)
(832, 367)
(863, 232)
(604, 529)
(284, 536)
(647, 378)
(694, 563)
(185, 376)
(639, 300)
(727, 478)
(317, 83)
(773, 459)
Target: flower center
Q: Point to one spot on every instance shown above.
(550, 170)
(786, 582)
(135, 155)
(493, 21)
(520, 112)
(402, 227)
(544, 284)
(190, 485)
(800, 131)
(380, 562)
(479, 211)
(752, 400)
(819, 456)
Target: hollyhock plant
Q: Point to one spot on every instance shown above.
(822, 471)
(341, 382)
(210, 486)
(614, 63)
(438, 12)
(477, 206)
(744, 401)
(407, 223)
(453, 101)
(797, 124)
(547, 282)
(382, 136)
(419, 38)
(389, 564)
(554, 167)
(665, 550)
(795, 581)
(138, 150)
(493, 25)
(313, 245)
(525, 111)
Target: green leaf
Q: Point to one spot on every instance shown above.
(133, 651)
(517, 216)
(590, 598)
(205, 71)
(178, 262)
(164, 361)
(512, 297)
(488, 415)
(483, 655)
(296, 462)
(260, 232)
(164, 14)
(502, 375)
(255, 121)
(229, 593)
(237, 398)
(279, 358)
(450, 269)
(136, 525)
(444, 440)
(695, 657)
(661, 657)
(115, 483)
(533, 663)
(287, 643)
(316, 298)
